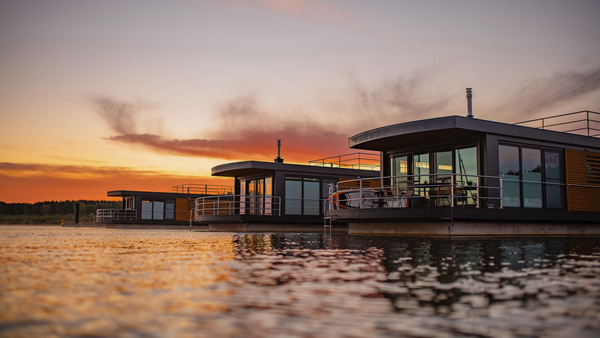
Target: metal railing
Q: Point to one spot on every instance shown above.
(364, 161)
(430, 190)
(206, 189)
(447, 189)
(115, 214)
(237, 204)
(581, 123)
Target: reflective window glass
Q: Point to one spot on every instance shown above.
(170, 209)
(552, 168)
(510, 172)
(311, 196)
(466, 182)
(146, 210)
(242, 197)
(158, 211)
(293, 196)
(532, 172)
(421, 172)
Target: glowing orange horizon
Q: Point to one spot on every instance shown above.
(31, 182)
(20, 185)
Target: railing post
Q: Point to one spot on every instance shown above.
(478, 194)
(501, 195)
(360, 195)
(588, 121)
(452, 190)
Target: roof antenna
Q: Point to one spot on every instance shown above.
(469, 103)
(278, 159)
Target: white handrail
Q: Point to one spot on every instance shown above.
(251, 204)
(407, 182)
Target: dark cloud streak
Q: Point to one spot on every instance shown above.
(245, 131)
(542, 95)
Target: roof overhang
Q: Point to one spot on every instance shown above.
(448, 127)
(127, 193)
(249, 168)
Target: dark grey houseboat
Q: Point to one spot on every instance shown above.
(466, 176)
(277, 196)
(157, 209)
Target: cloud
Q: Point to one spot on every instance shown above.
(405, 97)
(538, 97)
(244, 130)
(119, 115)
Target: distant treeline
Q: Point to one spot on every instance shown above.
(86, 207)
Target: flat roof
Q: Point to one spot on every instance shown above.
(444, 128)
(124, 193)
(247, 168)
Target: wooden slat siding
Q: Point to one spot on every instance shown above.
(374, 183)
(579, 164)
(182, 209)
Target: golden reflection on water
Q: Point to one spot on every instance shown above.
(80, 280)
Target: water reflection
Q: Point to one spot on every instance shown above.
(459, 286)
(91, 282)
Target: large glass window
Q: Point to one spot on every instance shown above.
(153, 209)
(510, 172)
(466, 179)
(146, 210)
(293, 196)
(158, 210)
(532, 172)
(421, 172)
(268, 196)
(256, 192)
(400, 168)
(242, 197)
(442, 162)
(399, 165)
(552, 170)
(170, 209)
(311, 196)
(302, 196)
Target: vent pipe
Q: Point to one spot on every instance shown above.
(469, 103)
(278, 159)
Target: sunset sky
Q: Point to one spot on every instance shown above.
(144, 95)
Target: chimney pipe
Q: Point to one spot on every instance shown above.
(278, 159)
(469, 103)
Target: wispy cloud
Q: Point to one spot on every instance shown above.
(403, 98)
(244, 130)
(536, 98)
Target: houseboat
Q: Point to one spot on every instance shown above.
(144, 209)
(278, 196)
(459, 175)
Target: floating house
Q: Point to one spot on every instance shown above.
(450, 175)
(466, 176)
(149, 208)
(277, 196)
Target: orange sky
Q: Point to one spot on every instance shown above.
(32, 183)
(98, 96)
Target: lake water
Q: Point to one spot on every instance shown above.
(84, 282)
